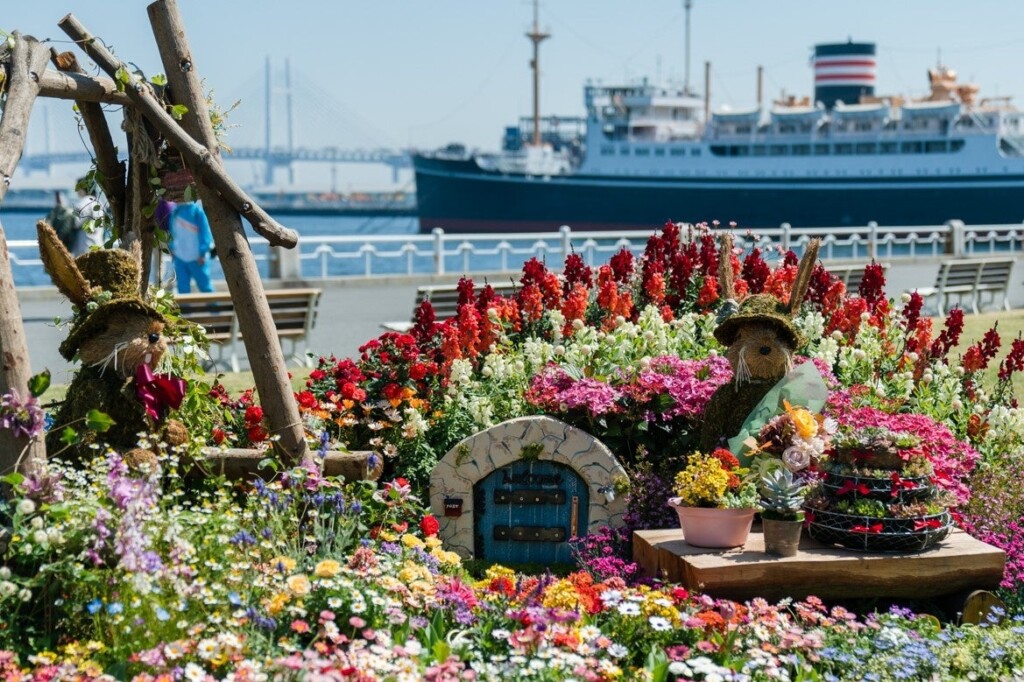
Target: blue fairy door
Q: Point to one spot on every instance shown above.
(527, 511)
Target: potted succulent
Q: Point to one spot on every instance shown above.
(782, 498)
(715, 504)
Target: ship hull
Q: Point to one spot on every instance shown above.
(459, 196)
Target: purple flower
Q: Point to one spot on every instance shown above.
(24, 417)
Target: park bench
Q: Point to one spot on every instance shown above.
(969, 278)
(850, 274)
(444, 298)
(293, 311)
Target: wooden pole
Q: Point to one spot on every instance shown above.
(80, 87)
(111, 170)
(201, 161)
(254, 319)
(28, 60)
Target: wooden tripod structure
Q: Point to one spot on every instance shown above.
(27, 77)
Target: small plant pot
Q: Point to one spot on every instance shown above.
(713, 528)
(781, 538)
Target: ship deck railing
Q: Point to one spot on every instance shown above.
(441, 253)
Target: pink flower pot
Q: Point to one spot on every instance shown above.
(717, 528)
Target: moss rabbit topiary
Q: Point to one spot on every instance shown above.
(760, 340)
(119, 339)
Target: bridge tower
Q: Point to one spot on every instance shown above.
(274, 158)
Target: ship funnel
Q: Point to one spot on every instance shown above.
(843, 72)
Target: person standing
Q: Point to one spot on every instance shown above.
(191, 241)
(87, 210)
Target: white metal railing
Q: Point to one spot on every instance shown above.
(441, 253)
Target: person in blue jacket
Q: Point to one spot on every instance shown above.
(191, 241)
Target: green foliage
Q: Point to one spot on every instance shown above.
(38, 383)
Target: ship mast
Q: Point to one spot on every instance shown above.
(687, 6)
(536, 36)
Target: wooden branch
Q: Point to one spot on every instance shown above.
(17, 453)
(243, 279)
(81, 88)
(200, 160)
(112, 171)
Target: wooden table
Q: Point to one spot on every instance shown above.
(957, 564)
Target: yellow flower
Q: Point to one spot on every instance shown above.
(283, 563)
(703, 481)
(328, 568)
(411, 541)
(276, 604)
(388, 536)
(299, 585)
(446, 557)
(804, 422)
(432, 542)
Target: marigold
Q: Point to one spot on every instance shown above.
(328, 568)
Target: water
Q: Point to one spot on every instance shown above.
(21, 225)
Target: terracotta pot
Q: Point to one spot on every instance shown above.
(716, 528)
(781, 538)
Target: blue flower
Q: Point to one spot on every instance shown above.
(234, 599)
(162, 614)
(94, 606)
(115, 608)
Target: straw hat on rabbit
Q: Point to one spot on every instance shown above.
(119, 339)
(760, 339)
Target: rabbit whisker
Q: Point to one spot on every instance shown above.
(111, 357)
(742, 368)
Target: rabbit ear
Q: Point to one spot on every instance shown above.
(61, 266)
(136, 250)
(725, 279)
(803, 276)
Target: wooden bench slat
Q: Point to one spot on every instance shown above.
(970, 277)
(293, 312)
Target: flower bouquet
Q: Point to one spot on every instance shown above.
(797, 437)
(877, 494)
(715, 504)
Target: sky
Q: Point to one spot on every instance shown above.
(424, 73)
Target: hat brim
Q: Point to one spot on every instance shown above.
(95, 322)
(726, 332)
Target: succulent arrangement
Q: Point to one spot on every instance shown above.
(782, 495)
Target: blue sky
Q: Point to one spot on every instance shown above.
(423, 73)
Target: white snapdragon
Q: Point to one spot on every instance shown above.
(414, 424)
(482, 411)
(25, 507)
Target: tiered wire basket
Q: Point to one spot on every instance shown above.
(874, 534)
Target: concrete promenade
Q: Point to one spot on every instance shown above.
(352, 310)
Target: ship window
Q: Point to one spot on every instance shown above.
(659, 152)
(779, 150)
(695, 151)
(607, 151)
(624, 151)
(866, 148)
(935, 147)
(956, 145)
(864, 126)
(643, 151)
(760, 150)
(887, 148)
(718, 149)
(739, 150)
(845, 148)
(678, 151)
(821, 150)
(801, 150)
(743, 129)
(911, 147)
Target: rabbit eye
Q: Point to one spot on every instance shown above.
(154, 337)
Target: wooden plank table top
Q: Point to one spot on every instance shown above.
(956, 564)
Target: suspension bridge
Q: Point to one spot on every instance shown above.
(273, 154)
